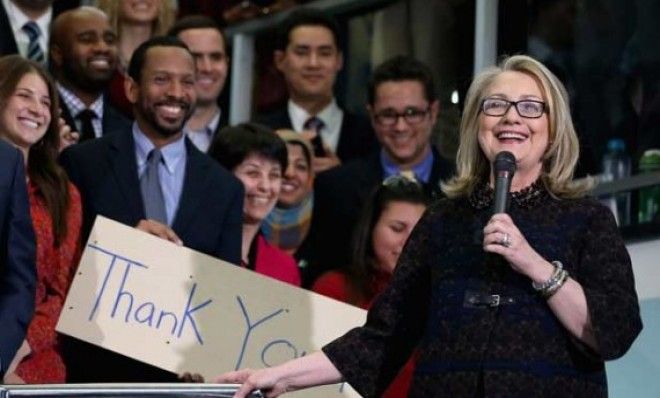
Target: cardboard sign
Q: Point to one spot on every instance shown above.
(181, 310)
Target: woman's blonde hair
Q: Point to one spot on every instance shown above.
(162, 23)
(561, 156)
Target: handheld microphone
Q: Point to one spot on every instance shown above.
(505, 168)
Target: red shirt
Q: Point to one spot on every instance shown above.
(275, 263)
(55, 268)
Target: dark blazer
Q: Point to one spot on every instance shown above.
(7, 40)
(356, 136)
(224, 118)
(339, 196)
(18, 273)
(113, 120)
(209, 220)
(224, 122)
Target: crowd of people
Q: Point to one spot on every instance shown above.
(113, 110)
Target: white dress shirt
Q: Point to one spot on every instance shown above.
(331, 115)
(203, 138)
(17, 19)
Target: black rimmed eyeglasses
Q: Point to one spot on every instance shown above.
(530, 109)
(411, 115)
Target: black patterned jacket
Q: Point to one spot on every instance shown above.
(517, 348)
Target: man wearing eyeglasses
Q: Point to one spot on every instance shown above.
(403, 110)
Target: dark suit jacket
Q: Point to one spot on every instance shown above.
(356, 136)
(209, 220)
(113, 120)
(339, 197)
(224, 122)
(7, 41)
(224, 117)
(17, 255)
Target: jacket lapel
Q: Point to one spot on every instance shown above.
(66, 115)
(371, 176)
(124, 167)
(193, 188)
(344, 144)
(222, 124)
(113, 120)
(7, 41)
(441, 170)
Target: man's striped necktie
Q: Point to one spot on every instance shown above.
(34, 52)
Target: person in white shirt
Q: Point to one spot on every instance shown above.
(309, 56)
(25, 28)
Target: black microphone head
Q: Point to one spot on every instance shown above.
(505, 162)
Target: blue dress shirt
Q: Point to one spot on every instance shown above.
(171, 172)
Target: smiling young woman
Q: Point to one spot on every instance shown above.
(28, 101)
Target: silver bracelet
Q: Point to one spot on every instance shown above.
(552, 289)
(539, 287)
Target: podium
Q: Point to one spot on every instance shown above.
(161, 390)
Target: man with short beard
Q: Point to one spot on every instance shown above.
(197, 204)
(83, 52)
(14, 14)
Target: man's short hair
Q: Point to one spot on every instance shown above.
(402, 68)
(306, 17)
(196, 22)
(139, 55)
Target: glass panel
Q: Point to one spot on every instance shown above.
(606, 53)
